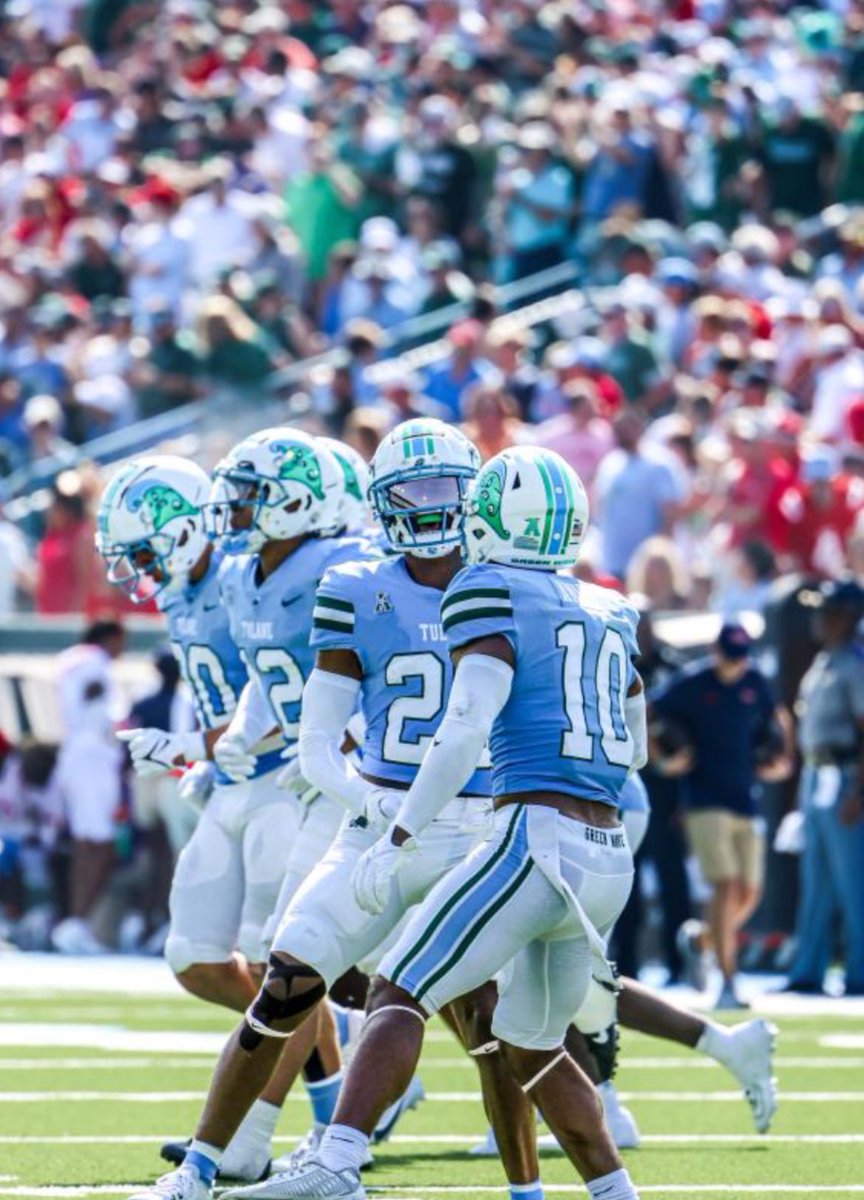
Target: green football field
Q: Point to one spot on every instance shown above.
(91, 1083)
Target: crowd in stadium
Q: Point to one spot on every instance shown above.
(195, 196)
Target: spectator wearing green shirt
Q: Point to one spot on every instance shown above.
(165, 368)
(629, 358)
(322, 206)
(234, 349)
(796, 155)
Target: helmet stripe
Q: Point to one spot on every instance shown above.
(560, 500)
(550, 503)
(571, 508)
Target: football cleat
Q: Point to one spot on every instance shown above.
(182, 1184)
(750, 1058)
(488, 1148)
(305, 1149)
(620, 1120)
(311, 1181)
(729, 1000)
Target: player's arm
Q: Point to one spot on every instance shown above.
(636, 720)
(481, 687)
(329, 702)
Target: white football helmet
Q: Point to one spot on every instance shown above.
(526, 508)
(354, 515)
(150, 527)
(277, 484)
(419, 477)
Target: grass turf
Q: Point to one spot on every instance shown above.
(79, 1094)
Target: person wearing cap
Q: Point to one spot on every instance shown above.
(448, 381)
(579, 434)
(725, 709)
(539, 199)
(830, 711)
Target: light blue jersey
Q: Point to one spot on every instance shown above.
(393, 625)
(210, 661)
(562, 728)
(271, 620)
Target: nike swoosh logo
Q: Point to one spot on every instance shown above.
(289, 601)
(211, 607)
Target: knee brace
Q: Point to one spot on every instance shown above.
(277, 1001)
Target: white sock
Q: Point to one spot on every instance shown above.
(715, 1042)
(615, 1186)
(255, 1131)
(343, 1148)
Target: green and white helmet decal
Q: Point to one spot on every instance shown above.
(290, 481)
(527, 508)
(150, 525)
(354, 515)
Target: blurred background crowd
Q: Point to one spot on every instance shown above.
(630, 232)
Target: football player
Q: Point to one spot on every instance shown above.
(543, 666)
(378, 634)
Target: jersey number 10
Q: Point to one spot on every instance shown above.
(595, 688)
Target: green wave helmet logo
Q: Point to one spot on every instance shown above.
(300, 465)
(163, 504)
(489, 495)
(352, 483)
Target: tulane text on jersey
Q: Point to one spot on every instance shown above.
(271, 620)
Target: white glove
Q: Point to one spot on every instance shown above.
(196, 784)
(292, 779)
(375, 871)
(381, 806)
(154, 751)
(231, 755)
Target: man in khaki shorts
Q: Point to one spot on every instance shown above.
(737, 737)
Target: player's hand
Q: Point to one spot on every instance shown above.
(375, 870)
(196, 784)
(292, 779)
(153, 751)
(233, 758)
(381, 806)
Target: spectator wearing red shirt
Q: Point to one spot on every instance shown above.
(818, 515)
(759, 477)
(65, 562)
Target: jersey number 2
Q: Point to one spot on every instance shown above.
(603, 681)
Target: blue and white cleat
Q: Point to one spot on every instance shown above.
(311, 1181)
(305, 1150)
(183, 1184)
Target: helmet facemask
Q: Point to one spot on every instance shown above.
(421, 512)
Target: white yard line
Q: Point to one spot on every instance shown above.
(393, 1190)
(205, 1061)
(444, 1139)
(181, 1097)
